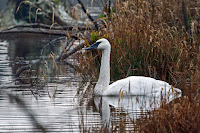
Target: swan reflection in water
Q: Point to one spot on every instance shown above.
(131, 107)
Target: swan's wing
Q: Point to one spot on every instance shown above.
(138, 85)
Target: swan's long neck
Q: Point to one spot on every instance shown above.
(104, 76)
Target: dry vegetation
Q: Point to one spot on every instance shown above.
(160, 39)
(183, 117)
(150, 39)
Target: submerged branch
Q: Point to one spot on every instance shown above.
(24, 68)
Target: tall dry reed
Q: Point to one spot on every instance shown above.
(182, 117)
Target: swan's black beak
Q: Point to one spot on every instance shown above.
(95, 45)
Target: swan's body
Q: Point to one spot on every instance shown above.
(138, 86)
(133, 85)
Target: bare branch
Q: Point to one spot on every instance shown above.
(74, 50)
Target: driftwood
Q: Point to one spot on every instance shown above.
(41, 29)
(34, 30)
(23, 68)
(44, 26)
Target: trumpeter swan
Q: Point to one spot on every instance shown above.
(133, 85)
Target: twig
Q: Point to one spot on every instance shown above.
(65, 53)
(89, 16)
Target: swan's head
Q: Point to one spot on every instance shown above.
(101, 44)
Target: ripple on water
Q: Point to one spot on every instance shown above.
(5, 69)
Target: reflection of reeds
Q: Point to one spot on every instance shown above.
(121, 122)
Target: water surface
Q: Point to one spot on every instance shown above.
(57, 101)
(52, 100)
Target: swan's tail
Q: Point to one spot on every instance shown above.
(174, 93)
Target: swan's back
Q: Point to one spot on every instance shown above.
(139, 85)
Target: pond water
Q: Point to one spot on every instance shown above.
(47, 100)
(54, 104)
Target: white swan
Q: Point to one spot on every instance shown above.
(133, 85)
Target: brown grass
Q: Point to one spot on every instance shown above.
(149, 38)
(160, 39)
(183, 117)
